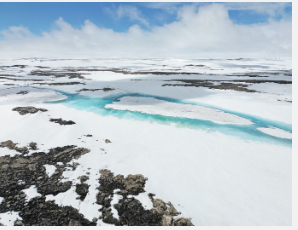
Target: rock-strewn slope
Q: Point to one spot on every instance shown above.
(130, 210)
(23, 171)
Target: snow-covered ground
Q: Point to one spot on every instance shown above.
(155, 106)
(8, 218)
(276, 132)
(211, 177)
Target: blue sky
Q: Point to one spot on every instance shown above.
(180, 30)
(40, 17)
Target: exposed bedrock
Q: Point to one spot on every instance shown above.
(22, 172)
(23, 92)
(47, 213)
(105, 89)
(11, 145)
(236, 85)
(82, 190)
(57, 74)
(61, 83)
(62, 122)
(28, 109)
(130, 210)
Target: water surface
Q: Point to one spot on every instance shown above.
(246, 132)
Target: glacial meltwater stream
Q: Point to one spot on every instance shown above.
(246, 132)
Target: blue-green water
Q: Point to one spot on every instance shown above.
(246, 132)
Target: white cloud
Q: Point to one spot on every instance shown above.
(169, 7)
(16, 32)
(270, 8)
(206, 32)
(131, 12)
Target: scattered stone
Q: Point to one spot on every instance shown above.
(62, 122)
(57, 74)
(133, 184)
(182, 222)
(23, 92)
(61, 83)
(94, 220)
(23, 150)
(160, 206)
(105, 89)
(18, 223)
(107, 141)
(151, 195)
(82, 190)
(166, 220)
(10, 145)
(33, 145)
(73, 222)
(28, 109)
(84, 178)
(172, 210)
(132, 213)
(237, 85)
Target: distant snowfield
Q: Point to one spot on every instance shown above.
(155, 106)
(28, 95)
(276, 132)
(213, 178)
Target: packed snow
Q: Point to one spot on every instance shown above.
(8, 218)
(50, 169)
(31, 192)
(155, 106)
(276, 132)
(31, 95)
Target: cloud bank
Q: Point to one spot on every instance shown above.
(206, 32)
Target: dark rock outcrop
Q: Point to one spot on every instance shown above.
(84, 178)
(23, 92)
(82, 190)
(28, 109)
(105, 89)
(130, 210)
(11, 145)
(39, 212)
(20, 172)
(62, 122)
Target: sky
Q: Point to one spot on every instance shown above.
(135, 30)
